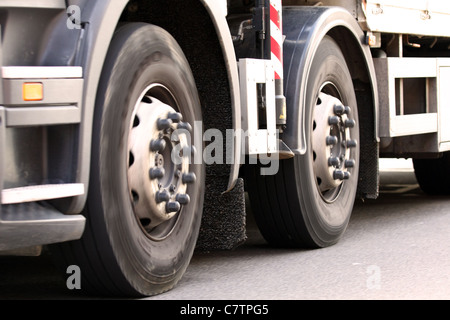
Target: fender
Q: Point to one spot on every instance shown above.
(217, 14)
(304, 28)
(100, 19)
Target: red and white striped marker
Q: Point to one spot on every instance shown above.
(276, 49)
(276, 34)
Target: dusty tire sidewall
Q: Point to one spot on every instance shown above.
(150, 266)
(326, 221)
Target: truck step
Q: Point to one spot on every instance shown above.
(31, 224)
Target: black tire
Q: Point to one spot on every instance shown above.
(433, 175)
(291, 208)
(118, 254)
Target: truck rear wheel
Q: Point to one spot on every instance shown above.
(433, 174)
(144, 204)
(309, 201)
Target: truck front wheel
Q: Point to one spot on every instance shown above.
(145, 195)
(308, 203)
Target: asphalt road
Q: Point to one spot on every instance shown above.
(396, 247)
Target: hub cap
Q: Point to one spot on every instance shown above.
(332, 143)
(158, 172)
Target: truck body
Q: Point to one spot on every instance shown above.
(129, 129)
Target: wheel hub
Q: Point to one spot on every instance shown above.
(158, 172)
(332, 142)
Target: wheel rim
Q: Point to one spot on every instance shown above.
(158, 162)
(331, 142)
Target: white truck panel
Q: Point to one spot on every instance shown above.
(419, 17)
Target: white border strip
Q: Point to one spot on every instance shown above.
(41, 192)
(41, 72)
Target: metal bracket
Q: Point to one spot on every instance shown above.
(259, 21)
(252, 73)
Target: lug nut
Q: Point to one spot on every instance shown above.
(184, 126)
(193, 151)
(175, 117)
(334, 161)
(187, 152)
(163, 124)
(188, 178)
(157, 145)
(349, 123)
(351, 143)
(183, 199)
(172, 206)
(331, 140)
(347, 110)
(338, 175)
(349, 163)
(156, 173)
(341, 175)
(162, 196)
(339, 109)
(333, 120)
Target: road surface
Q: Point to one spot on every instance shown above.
(396, 247)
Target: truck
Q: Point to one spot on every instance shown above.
(133, 132)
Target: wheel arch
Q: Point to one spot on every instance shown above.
(202, 21)
(299, 49)
(207, 43)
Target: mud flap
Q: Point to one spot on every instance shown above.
(224, 217)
